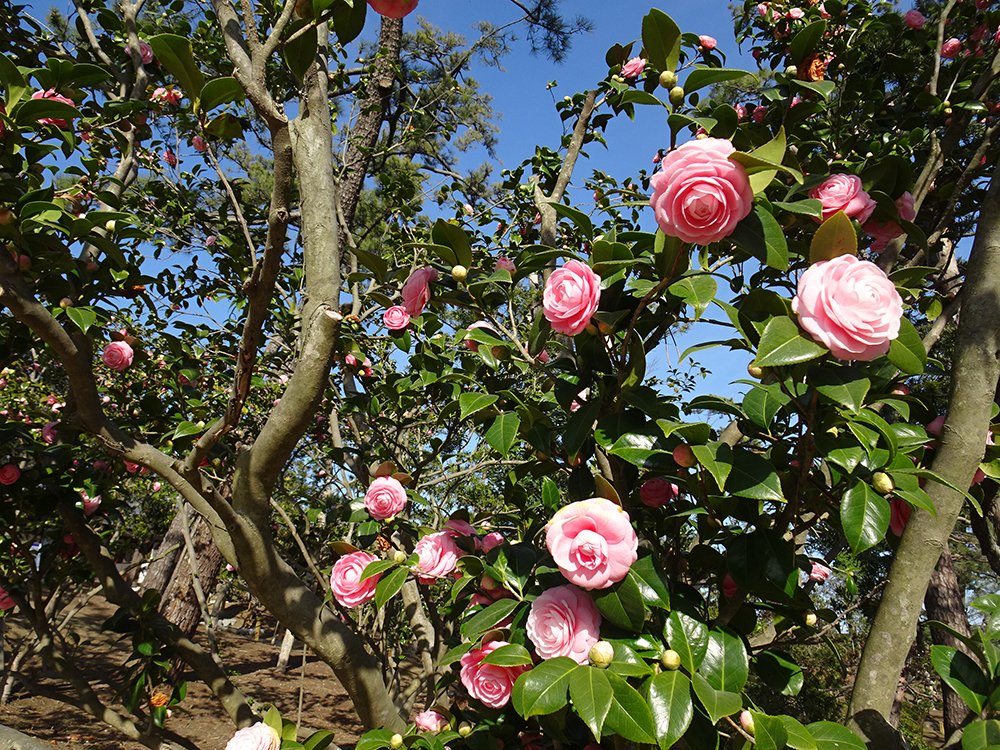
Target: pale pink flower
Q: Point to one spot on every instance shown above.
(385, 498)
(504, 263)
(491, 541)
(914, 19)
(345, 579)
(168, 95)
(572, 294)
(118, 355)
(437, 556)
(708, 42)
(951, 48)
(633, 68)
(430, 721)
(488, 683)
(416, 291)
(257, 737)
(819, 572)
(564, 621)
(844, 192)
(396, 318)
(90, 504)
(592, 542)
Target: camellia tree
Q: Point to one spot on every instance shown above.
(579, 561)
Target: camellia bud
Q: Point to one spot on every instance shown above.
(755, 371)
(111, 225)
(396, 741)
(811, 619)
(791, 71)
(670, 659)
(882, 483)
(684, 456)
(24, 263)
(459, 273)
(677, 95)
(668, 79)
(464, 729)
(65, 302)
(901, 390)
(602, 654)
(746, 721)
(6, 217)
(399, 556)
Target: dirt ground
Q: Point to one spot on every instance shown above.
(199, 717)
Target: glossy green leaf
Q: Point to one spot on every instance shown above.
(377, 567)
(842, 386)
(669, 696)
(726, 665)
(542, 690)
(907, 350)
(652, 586)
(864, 515)
(299, 51)
(763, 402)
(622, 604)
(982, 735)
(186, 429)
(173, 52)
(688, 637)
(661, 38)
(717, 458)
(769, 732)
(754, 477)
(220, 91)
(348, 19)
(779, 672)
(782, 343)
(629, 715)
(698, 291)
(761, 235)
(962, 675)
(804, 43)
(470, 403)
(591, 693)
(579, 219)
(799, 738)
(453, 236)
(831, 736)
(718, 703)
(488, 617)
(503, 433)
(511, 655)
(389, 586)
(84, 317)
(706, 76)
(627, 662)
(835, 237)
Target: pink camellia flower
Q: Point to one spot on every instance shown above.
(564, 621)
(156, 486)
(257, 737)
(350, 360)
(707, 42)
(90, 504)
(572, 294)
(849, 306)
(416, 290)
(345, 579)
(472, 344)
(6, 600)
(170, 158)
(844, 192)
(759, 113)
(741, 111)
(763, 10)
(393, 8)
(491, 541)
(131, 467)
(899, 515)
(951, 48)
(210, 240)
(56, 97)
(914, 19)
(199, 144)
(396, 318)
(145, 52)
(729, 586)
(505, 263)
(543, 356)
(904, 205)
(437, 556)
(488, 683)
(819, 572)
(458, 527)
(430, 721)
(700, 194)
(795, 14)
(592, 542)
(118, 356)
(385, 498)
(9, 474)
(657, 492)
(169, 95)
(883, 233)
(633, 68)
(49, 433)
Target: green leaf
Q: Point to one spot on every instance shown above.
(717, 457)
(591, 693)
(348, 20)
(669, 695)
(769, 732)
(470, 403)
(225, 127)
(779, 672)
(835, 237)
(580, 427)
(629, 715)
(782, 343)
(375, 739)
(661, 38)
(389, 586)
(503, 433)
(453, 236)
(580, 220)
(830, 736)
(13, 81)
(32, 110)
(962, 675)
(186, 429)
(705, 76)
(804, 42)
(377, 567)
(799, 737)
(488, 617)
(808, 207)
(718, 703)
(300, 53)
(84, 317)
(842, 386)
(726, 665)
(688, 637)
(551, 499)
(542, 690)
(511, 655)
(652, 586)
(622, 604)
(272, 717)
(761, 235)
(454, 654)
(318, 740)
(754, 477)
(220, 91)
(982, 735)
(864, 514)
(627, 662)
(697, 290)
(907, 350)
(173, 52)
(763, 402)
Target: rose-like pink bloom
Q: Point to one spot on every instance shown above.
(472, 344)
(951, 48)
(488, 683)
(823, 12)
(257, 737)
(564, 621)
(156, 486)
(393, 8)
(385, 498)
(700, 194)
(707, 42)
(430, 721)
(170, 158)
(543, 356)
(210, 240)
(199, 143)
(169, 95)
(759, 113)
(456, 527)
(657, 492)
(882, 233)
(491, 541)
(572, 294)
(741, 112)
(416, 290)
(90, 504)
(56, 97)
(849, 306)
(505, 263)
(6, 600)
(904, 206)
(819, 572)
(9, 474)
(633, 68)
(763, 10)
(396, 318)
(437, 556)
(345, 579)
(49, 432)
(592, 542)
(131, 467)
(914, 19)
(350, 360)
(145, 52)
(118, 355)
(729, 586)
(899, 515)
(844, 192)
(795, 14)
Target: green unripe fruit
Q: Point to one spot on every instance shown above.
(670, 659)
(668, 79)
(677, 95)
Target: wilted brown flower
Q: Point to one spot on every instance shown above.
(813, 68)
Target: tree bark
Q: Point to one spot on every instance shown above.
(987, 528)
(945, 603)
(976, 371)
